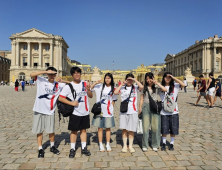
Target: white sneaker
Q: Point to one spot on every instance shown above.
(108, 148)
(124, 150)
(144, 149)
(155, 149)
(101, 148)
(132, 150)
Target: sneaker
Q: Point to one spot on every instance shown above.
(144, 149)
(211, 107)
(206, 106)
(72, 153)
(163, 147)
(101, 148)
(171, 148)
(124, 150)
(85, 152)
(41, 153)
(155, 149)
(54, 150)
(132, 150)
(108, 148)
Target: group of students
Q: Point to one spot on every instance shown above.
(208, 89)
(106, 93)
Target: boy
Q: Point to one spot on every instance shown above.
(44, 107)
(217, 90)
(79, 120)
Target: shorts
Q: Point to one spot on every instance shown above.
(77, 123)
(218, 94)
(211, 91)
(203, 93)
(128, 121)
(103, 122)
(43, 122)
(170, 124)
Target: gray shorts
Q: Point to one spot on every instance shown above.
(203, 93)
(43, 122)
(128, 121)
(103, 122)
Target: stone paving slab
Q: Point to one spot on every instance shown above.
(198, 146)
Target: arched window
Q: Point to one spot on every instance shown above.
(21, 76)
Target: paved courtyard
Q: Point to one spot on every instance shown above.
(198, 146)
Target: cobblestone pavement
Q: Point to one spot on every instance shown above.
(198, 146)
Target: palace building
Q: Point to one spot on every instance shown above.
(202, 57)
(4, 66)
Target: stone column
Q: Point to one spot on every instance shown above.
(29, 53)
(58, 56)
(214, 59)
(198, 62)
(51, 54)
(13, 61)
(17, 54)
(40, 55)
(61, 59)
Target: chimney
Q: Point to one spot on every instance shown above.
(196, 41)
(216, 36)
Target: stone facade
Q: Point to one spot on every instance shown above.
(4, 66)
(34, 50)
(202, 57)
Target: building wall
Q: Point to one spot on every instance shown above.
(4, 68)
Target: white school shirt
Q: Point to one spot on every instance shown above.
(106, 99)
(132, 105)
(174, 95)
(81, 96)
(46, 97)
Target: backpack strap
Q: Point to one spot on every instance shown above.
(73, 91)
(131, 92)
(102, 92)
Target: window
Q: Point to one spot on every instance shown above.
(181, 60)
(188, 57)
(46, 61)
(25, 47)
(47, 47)
(196, 66)
(196, 54)
(217, 51)
(36, 47)
(185, 59)
(35, 61)
(192, 56)
(217, 65)
(24, 61)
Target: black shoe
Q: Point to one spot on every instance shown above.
(85, 152)
(72, 153)
(211, 107)
(163, 147)
(54, 150)
(171, 148)
(41, 153)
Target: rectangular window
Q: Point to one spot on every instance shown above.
(47, 47)
(24, 61)
(185, 59)
(35, 64)
(36, 47)
(196, 54)
(25, 47)
(217, 51)
(217, 65)
(46, 64)
(196, 66)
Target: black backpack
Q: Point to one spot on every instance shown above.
(65, 109)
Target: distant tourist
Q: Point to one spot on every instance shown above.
(16, 85)
(22, 83)
(185, 87)
(217, 90)
(31, 82)
(194, 84)
(210, 88)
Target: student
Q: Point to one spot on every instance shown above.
(44, 107)
(202, 90)
(148, 116)
(16, 85)
(31, 82)
(217, 90)
(23, 85)
(194, 84)
(185, 87)
(79, 120)
(211, 89)
(129, 120)
(170, 121)
(104, 94)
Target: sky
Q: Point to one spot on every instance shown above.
(128, 32)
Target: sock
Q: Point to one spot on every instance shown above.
(164, 140)
(124, 142)
(52, 144)
(73, 146)
(107, 143)
(100, 144)
(83, 145)
(131, 142)
(40, 147)
(172, 140)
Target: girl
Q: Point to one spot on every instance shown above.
(104, 94)
(170, 121)
(149, 116)
(129, 119)
(16, 85)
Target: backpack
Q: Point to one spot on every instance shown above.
(64, 109)
(168, 104)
